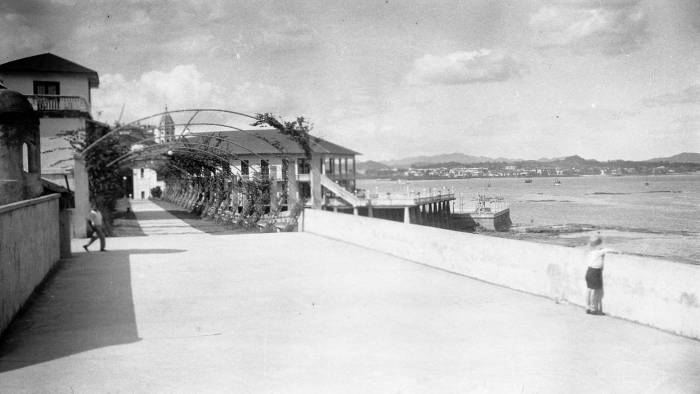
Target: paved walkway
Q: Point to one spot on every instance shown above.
(296, 313)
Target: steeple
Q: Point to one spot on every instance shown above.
(167, 127)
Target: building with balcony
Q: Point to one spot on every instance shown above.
(331, 170)
(60, 91)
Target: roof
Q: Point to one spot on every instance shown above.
(48, 62)
(268, 141)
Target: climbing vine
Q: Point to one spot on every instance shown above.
(104, 183)
(297, 129)
(198, 175)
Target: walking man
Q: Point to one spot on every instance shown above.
(95, 219)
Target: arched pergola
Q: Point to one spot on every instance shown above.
(201, 157)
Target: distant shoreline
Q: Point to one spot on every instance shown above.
(434, 178)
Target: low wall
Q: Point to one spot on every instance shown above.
(655, 292)
(29, 248)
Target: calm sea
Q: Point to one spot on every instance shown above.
(648, 215)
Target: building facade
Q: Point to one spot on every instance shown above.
(60, 91)
(329, 172)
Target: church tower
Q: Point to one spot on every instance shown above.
(166, 128)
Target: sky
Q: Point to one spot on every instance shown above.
(616, 79)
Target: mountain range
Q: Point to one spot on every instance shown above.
(685, 157)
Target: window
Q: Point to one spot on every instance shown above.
(265, 169)
(304, 166)
(274, 172)
(245, 167)
(304, 190)
(47, 87)
(142, 173)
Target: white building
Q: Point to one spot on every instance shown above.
(144, 178)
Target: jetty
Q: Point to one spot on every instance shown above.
(488, 213)
(428, 207)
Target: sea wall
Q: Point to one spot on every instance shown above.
(655, 292)
(29, 248)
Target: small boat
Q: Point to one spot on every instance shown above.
(557, 182)
(528, 181)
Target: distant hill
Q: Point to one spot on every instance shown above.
(453, 159)
(444, 158)
(685, 157)
(363, 167)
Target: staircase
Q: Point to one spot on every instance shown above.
(341, 192)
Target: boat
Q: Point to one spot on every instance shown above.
(528, 181)
(557, 182)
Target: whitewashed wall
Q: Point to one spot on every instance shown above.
(655, 292)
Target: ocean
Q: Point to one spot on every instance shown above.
(655, 216)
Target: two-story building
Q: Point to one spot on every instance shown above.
(330, 172)
(60, 91)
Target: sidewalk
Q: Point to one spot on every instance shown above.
(181, 310)
(163, 218)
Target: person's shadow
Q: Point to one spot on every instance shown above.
(83, 304)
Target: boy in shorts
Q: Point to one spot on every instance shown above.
(594, 275)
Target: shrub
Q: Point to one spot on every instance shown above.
(156, 192)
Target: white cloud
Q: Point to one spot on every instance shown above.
(464, 67)
(183, 87)
(18, 39)
(615, 27)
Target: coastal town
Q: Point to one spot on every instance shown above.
(568, 166)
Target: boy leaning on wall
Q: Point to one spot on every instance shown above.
(594, 274)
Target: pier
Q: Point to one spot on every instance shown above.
(431, 207)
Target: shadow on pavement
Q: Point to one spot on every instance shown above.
(130, 224)
(86, 303)
(125, 223)
(205, 225)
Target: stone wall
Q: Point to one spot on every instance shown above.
(655, 292)
(29, 248)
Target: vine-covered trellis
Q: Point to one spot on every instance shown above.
(198, 175)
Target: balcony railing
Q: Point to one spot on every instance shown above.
(59, 103)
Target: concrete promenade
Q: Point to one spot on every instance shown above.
(188, 307)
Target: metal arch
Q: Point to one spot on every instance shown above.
(215, 137)
(191, 149)
(187, 126)
(182, 170)
(153, 148)
(197, 110)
